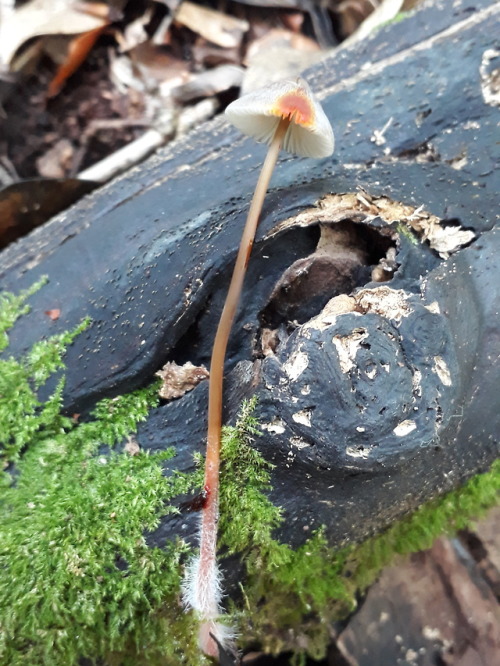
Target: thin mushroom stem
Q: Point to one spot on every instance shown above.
(302, 128)
(207, 568)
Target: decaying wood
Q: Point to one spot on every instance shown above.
(369, 405)
(436, 607)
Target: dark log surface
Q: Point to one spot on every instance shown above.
(366, 414)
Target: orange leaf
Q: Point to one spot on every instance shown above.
(79, 49)
(53, 314)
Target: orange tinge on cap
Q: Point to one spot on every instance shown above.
(297, 107)
(258, 114)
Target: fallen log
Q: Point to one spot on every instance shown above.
(368, 329)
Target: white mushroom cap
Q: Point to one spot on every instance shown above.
(258, 114)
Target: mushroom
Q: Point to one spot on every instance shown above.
(283, 114)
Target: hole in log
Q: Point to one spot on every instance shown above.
(348, 255)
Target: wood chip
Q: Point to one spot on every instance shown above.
(179, 379)
(132, 447)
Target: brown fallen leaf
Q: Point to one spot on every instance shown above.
(30, 203)
(293, 21)
(218, 28)
(41, 17)
(351, 14)
(371, 17)
(208, 55)
(53, 314)
(319, 13)
(279, 38)
(155, 64)
(132, 447)
(179, 379)
(78, 51)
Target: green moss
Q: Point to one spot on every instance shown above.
(12, 307)
(78, 576)
(407, 231)
(248, 518)
(293, 596)
(400, 16)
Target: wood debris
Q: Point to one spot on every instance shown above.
(179, 379)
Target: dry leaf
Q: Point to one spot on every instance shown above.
(100, 9)
(280, 38)
(207, 55)
(42, 17)
(209, 83)
(179, 379)
(57, 161)
(155, 64)
(218, 28)
(53, 314)
(293, 21)
(78, 51)
(351, 14)
(289, 52)
(135, 32)
(132, 447)
(29, 203)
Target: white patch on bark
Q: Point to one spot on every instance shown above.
(303, 417)
(336, 306)
(417, 382)
(296, 365)
(490, 78)
(442, 371)
(347, 347)
(298, 442)
(358, 452)
(387, 302)
(404, 428)
(446, 240)
(276, 426)
(434, 307)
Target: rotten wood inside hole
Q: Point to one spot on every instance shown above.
(348, 255)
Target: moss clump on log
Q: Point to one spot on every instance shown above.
(79, 579)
